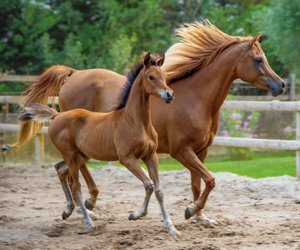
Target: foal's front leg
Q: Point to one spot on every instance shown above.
(152, 165)
(133, 166)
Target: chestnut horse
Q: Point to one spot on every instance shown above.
(126, 134)
(200, 68)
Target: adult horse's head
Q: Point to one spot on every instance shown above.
(154, 78)
(202, 45)
(254, 68)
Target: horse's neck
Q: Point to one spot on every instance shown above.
(214, 81)
(137, 107)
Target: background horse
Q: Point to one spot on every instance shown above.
(126, 135)
(201, 67)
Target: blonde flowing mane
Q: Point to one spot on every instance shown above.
(200, 43)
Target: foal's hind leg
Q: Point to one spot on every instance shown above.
(152, 164)
(74, 164)
(93, 190)
(62, 172)
(133, 166)
(65, 178)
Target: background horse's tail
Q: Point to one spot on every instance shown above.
(47, 85)
(37, 112)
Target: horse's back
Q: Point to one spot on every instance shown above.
(92, 89)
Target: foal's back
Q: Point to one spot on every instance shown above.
(86, 131)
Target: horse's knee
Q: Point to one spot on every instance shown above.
(94, 192)
(159, 195)
(62, 170)
(210, 184)
(149, 188)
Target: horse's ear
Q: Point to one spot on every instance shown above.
(262, 38)
(147, 59)
(160, 61)
(257, 38)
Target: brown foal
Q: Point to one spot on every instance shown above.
(126, 134)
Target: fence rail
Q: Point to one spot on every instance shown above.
(292, 106)
(243, 142)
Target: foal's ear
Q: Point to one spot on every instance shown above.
(160, 61)
(147, 59)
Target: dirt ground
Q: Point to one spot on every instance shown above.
(250, 214)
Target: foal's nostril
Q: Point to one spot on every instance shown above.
(169, 95)
(283, 84)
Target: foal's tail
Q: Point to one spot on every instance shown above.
(36, 112)
(47, 85)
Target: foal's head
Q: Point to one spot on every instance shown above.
(154, 80)
(253, 67)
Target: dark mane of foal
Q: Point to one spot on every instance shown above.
(131, 76)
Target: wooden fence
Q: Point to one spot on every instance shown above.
(291, 106)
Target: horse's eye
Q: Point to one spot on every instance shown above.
(258, 61)
(151, 77)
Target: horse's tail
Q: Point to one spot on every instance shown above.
(46, 85)
(36, 112)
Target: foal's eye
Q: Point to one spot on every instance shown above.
(258, 61)
(151, 77)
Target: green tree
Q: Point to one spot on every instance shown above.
(281, 21)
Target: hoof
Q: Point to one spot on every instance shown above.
(188, 213)
(66, 214)
(205, 221)
(174, 232)
(79, 210)
(89, 223)
(88, 204)
(132, 217)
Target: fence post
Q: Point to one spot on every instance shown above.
(298, 138)
(39, 155)
(4, 120)
(292, 83)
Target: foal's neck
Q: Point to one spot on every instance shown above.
(137, 107)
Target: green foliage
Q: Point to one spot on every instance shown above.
(260, 166)
(281, 21)
(113, 33)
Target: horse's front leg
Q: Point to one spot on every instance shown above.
(196, 189)
(190, 160)
(152, 165)
(133, 166)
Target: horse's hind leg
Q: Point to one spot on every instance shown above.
(133, 166)
(62, 172)
(74, 164)
(90, 202)
(152, 164)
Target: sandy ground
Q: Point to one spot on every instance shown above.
(250, 214)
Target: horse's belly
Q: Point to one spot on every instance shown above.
(101, 152)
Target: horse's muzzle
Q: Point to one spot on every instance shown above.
(169, 96)
(277, 88)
